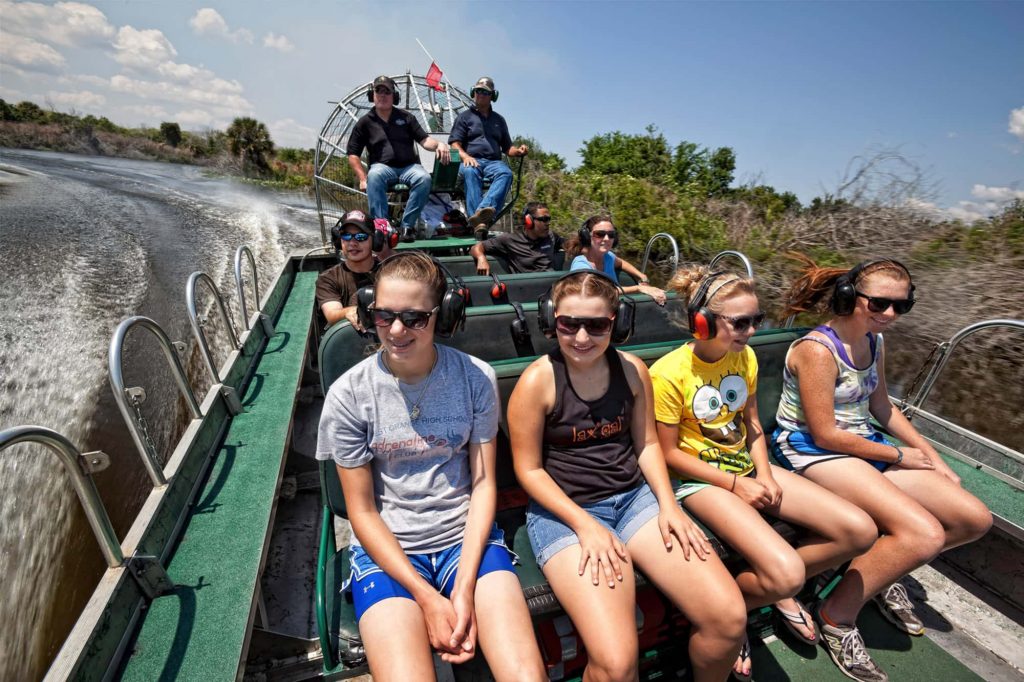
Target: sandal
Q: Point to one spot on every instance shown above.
(801, 617)
(743, 656)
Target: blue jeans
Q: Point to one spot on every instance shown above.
(500, 176)
(381, 176)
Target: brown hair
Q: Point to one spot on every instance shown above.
(812, 291)
(415, 266)
(687, 280)
(585, 283)
(574, 245)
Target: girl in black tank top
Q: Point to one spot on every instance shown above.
(585, 449)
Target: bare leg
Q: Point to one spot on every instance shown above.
(505, 630)
(395, 636)
(963, 516)
(704, 591)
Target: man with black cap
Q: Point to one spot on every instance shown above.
(336, 287)
(388, 134)
(480, 135)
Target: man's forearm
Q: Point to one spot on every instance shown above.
(357, 167)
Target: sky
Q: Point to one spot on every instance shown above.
(797, 89)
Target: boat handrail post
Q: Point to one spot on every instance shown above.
(80, 468)
(197, 327)
(128, 400)
(650, 243)
(914, 403)
(268, 326)
(746, 261)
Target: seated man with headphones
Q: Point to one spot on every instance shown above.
(388, 134)
(532, 250)
(355, 239)
(481, 136)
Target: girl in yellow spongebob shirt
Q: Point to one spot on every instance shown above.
(705, 404)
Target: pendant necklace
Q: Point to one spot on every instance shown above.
(414, 413)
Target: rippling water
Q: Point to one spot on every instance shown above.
(84, 243)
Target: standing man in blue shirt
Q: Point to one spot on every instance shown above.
(480, 135)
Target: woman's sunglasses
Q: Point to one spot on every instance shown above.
(602, 234)
(413, 319)
(595, 326)
(742, 324)
(358, 236)
(879, 304)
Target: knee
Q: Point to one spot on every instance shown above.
(615, 664)
(925, 538)
(722, 619)
(858, 533)
(502, 172)
(784, 577)
(420, 177)
(378, 173)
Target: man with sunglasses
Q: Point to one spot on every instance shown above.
(336, 287)
(532, 250)
(389, 134)
(480, 135)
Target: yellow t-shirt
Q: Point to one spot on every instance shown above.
(707, 401)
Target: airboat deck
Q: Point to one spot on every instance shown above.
(216, 580)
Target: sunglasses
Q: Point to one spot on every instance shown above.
(381, 90)
(413, 319)
(595, 326)
(542, 219)
(879, 304)
(358, 236)
(601, 234)
(742, 324)
(481, 91)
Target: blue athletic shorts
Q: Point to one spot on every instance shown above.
(623, 514)
(370, 584)
(796, 450)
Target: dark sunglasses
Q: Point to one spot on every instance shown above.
(358, 236)
(542, 219)
(595, 326)
(879, 304)
(481, 91)
(413, 319)
(742, 324)
(601, 234)
(381, 90)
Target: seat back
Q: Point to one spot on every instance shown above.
(465, 266)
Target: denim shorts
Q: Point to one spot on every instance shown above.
(370, 584)
(623, 513)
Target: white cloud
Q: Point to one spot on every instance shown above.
(148, 112)
(290, 133)
(276, 42)
(82, 99)
(217, 93)
(970, 211)
(30, 54)
(209, 22)
(1017, 122)
(145, 49)
(1003, 194)
(71, 24)
(195, 118)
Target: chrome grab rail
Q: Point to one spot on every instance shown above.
(742, 257)
(302, 261)
(914, 403)
(197, 328)
(238, 282)
(115, 365)
(650, 243)
(79, 467)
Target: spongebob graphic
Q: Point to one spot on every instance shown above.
(719, 414)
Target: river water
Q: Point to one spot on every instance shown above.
(84, 243)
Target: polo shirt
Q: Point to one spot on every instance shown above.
(522, 253)
(391, 142)
(482, 137)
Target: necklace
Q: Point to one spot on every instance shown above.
(414, 413)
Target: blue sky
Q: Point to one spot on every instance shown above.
(797, 89)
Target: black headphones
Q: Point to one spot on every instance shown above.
(699, 318)
(624, 314)
(584, 231)
(452, 310)
(844, 296)
(394, 93)
(378, 238)
(472, 93)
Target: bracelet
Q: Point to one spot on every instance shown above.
(899, 455)
(732, 488)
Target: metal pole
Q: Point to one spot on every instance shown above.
(746, 261)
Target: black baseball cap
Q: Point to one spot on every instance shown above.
(485, 84)
(357, 219)
(385, 80)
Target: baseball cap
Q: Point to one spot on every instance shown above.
(384, 80)
(484, 83)
(357, 219)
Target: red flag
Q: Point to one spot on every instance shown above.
(434, 77)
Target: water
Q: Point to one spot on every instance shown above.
(84, 243)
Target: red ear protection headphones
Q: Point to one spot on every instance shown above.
(527, 219)
(384, 234)
(499, 291)
(699, 318)
(844, 296)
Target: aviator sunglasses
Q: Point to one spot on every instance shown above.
(413, 319)
(595, 326)
(601, 234)
(358, 236)
(742, 324)
(879, 304)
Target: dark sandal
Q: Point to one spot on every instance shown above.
(802, 617)
(744, 656)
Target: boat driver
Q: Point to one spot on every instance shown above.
(388, 134)
(336, 287)
(481, 136)
(532, 250)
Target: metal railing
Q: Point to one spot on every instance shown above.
(80, 468)
(650, 243)
(914, 402)
(721, 256)
(197, 324)
(268, 326)
(129, 400)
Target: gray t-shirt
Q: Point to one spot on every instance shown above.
(421, 474)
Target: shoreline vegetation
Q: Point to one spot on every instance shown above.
(879, 207)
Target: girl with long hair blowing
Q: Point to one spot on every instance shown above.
(833, 385)
(586, 451)
(705, 404)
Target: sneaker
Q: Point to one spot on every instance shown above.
(895, 605)
(482, 217)
(846, 647)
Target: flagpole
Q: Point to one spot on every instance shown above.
(448, 95)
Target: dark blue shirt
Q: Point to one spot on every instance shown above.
(391, 142)
(481, 137)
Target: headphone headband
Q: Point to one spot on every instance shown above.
(625, 313)
(453, 303)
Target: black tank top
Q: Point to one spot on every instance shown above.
(588, 444)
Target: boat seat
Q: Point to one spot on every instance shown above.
(524, 287)
(465, 266)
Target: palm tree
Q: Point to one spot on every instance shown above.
(250, 139)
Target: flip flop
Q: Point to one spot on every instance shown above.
(744, 656)
(802, 617)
